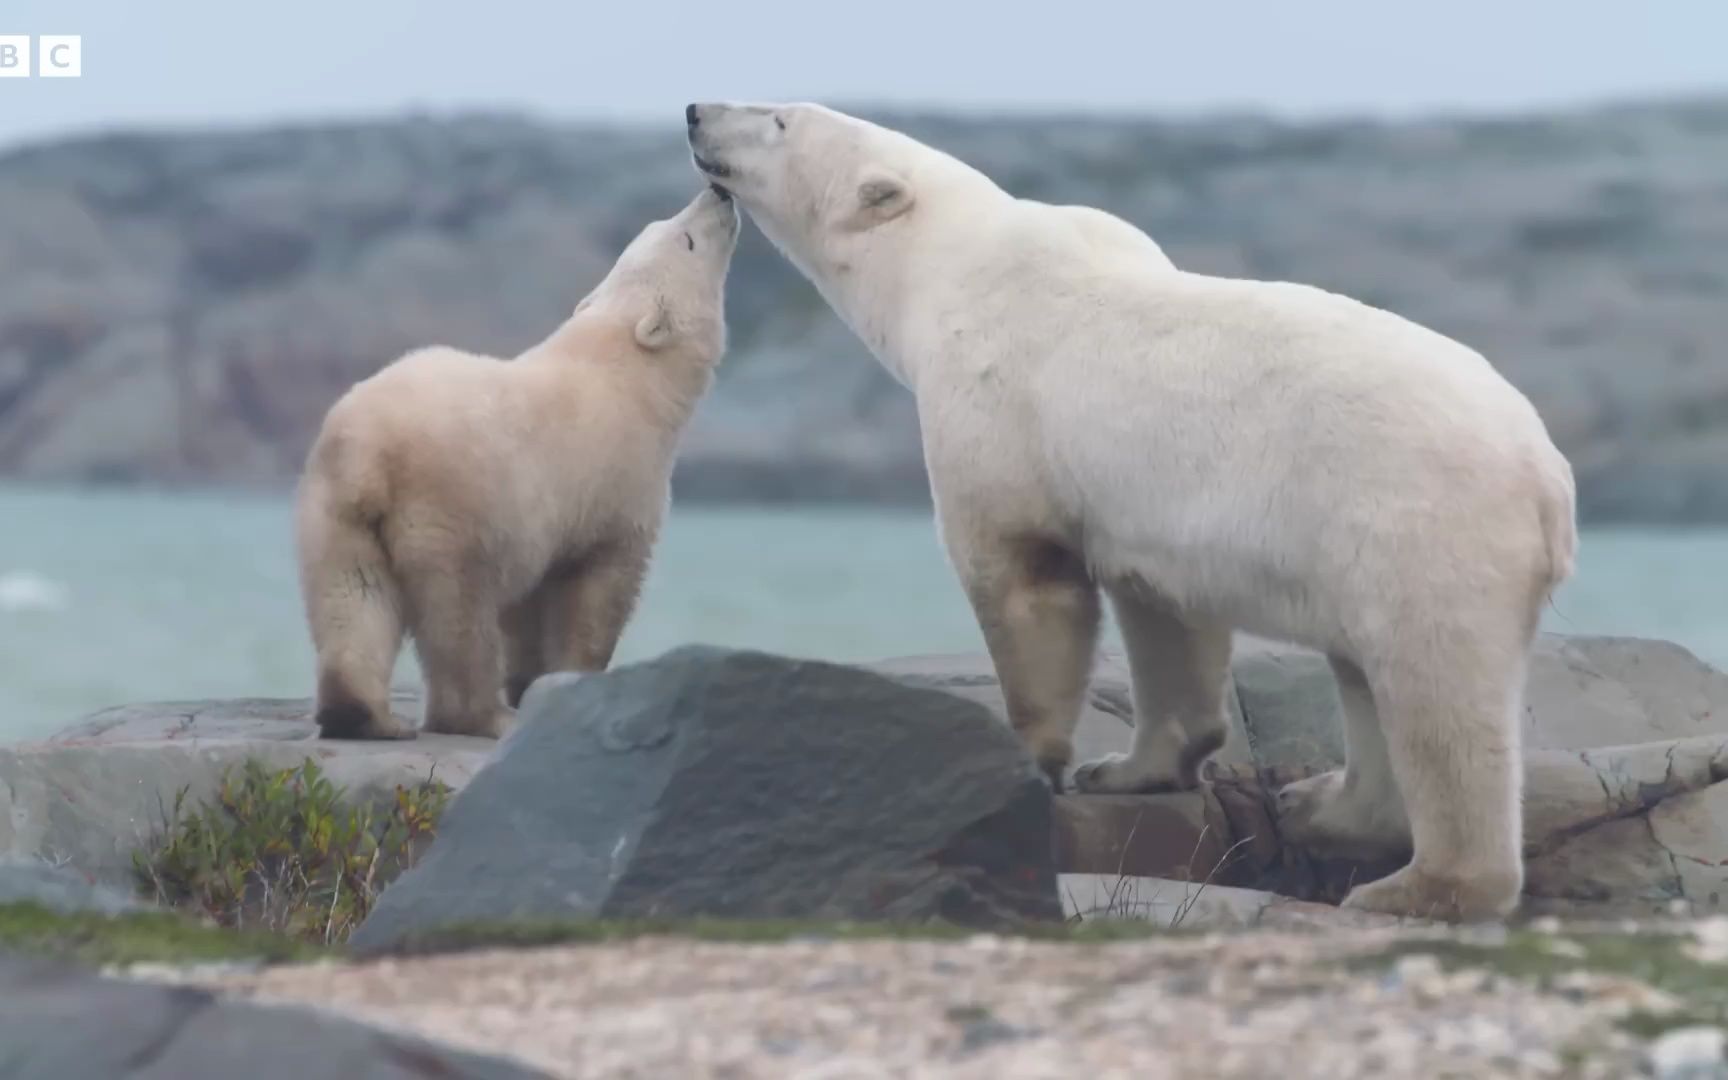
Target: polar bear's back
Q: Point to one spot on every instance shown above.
(1105, 234)
(432, 403)
(439, 426)
(1286, 427)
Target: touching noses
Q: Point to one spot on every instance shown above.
(690, 117)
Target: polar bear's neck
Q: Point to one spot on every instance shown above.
(585, 352)
(871, 304)
(885, 289)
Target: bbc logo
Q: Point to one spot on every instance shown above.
(57, 56)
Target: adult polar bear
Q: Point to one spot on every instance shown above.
(1215, 454)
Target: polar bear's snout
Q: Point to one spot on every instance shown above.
(699, 114)
(702, 137)
(727, 141)
(719, 170)
(712, 211)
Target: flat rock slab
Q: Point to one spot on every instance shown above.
(235, 720)
(61, 1023)
(738, 784)
(98, 791)
(1197, 905)
(59, 888)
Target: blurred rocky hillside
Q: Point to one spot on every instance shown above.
(181, 308)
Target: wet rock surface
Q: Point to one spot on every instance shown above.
(59, 1023)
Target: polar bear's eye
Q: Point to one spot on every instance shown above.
(689, 242)
(780, 123)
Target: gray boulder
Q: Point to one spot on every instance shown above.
(737, 784)
(60, 1023)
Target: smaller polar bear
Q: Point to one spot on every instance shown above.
(502, 513)
(1212, 455)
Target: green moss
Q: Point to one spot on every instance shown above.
(531, 933)
(1662, 961)
(172, 937)
(163, 937)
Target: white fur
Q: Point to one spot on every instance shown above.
(1108, 234)
(1215, 455)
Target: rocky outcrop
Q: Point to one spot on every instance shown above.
(59, 1023)
(1582, 692)
(102, 789)
(1639, 830)
(183, 307)
(1626, 777)
(1626, 793)
(721, 784)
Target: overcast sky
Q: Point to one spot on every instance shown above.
(199, 61)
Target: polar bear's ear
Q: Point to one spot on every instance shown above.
(654, 330)
(882, 196)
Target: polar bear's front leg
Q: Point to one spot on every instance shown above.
(1178, 670)
(1039, 613)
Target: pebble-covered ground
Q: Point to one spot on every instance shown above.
(1369, 1004)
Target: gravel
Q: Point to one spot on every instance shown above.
(1290, 1005)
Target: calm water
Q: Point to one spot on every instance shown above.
(110, 597)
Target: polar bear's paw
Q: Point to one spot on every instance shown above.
(1301, 802)
(1120, 774)
(1330, 817)
(1452, 898)
(355, 721)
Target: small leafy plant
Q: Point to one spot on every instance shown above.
(282, 850)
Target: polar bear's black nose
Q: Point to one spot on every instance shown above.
(690, 117)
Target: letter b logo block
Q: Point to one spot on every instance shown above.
(14, 56)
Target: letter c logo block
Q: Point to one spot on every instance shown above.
(60, 56)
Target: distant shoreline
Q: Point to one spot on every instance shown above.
(182, 308)
(752, 488)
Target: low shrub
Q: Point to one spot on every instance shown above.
(283, 850)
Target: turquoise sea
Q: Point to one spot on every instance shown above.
(113, 596)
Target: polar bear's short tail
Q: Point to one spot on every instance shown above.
(353, 603)
(1559, 519)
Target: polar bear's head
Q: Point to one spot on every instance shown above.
(821, 185)
(669, 283)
